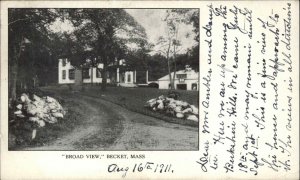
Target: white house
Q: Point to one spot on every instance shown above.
(187, 79)
(67, 74)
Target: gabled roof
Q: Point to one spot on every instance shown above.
(190, 75)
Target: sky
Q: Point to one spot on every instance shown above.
(152, 21)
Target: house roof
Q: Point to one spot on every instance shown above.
(191, 74)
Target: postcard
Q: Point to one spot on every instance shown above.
(149, 89)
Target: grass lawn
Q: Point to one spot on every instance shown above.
(135, 98)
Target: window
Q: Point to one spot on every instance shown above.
(129, 78)
(181, 86)
(64, 62)
(63, 74)
(86, 73)
(194, 86)
(98, 73)
(72, 74)
(181, 76)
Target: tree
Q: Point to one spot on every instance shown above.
(37, 66)
(26, 26)
(170, 43)
(191, 58)
(157, 67)
(138, 58)
(190, 16)
(106, 33)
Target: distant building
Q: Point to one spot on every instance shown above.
(67, 74)
(187, 79)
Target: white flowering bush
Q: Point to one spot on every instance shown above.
(171, 107)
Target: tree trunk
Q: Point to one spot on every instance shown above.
(16, 54)
(169, 68)
(92, 75)
(174, 55)
(175, 67)
(13, 78)
(170, 76)
(104, 75)
(82, 84)
(174, 75)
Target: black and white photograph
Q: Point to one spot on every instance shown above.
(148, 89)
(103, 79)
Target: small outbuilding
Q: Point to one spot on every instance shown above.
(187, 79)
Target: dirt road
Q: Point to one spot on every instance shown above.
(111, 127)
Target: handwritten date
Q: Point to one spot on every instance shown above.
(141, 167)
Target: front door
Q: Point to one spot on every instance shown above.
(78, 77)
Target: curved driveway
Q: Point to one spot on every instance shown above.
(108, 126)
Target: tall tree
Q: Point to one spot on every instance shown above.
(157, 67)
(138, 58)
(170, 43)
(106, 33)
(24, 26)
(191, 17)
(165, 49)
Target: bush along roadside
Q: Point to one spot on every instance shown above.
(31, 115)
(145, 109)
(174, 108)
